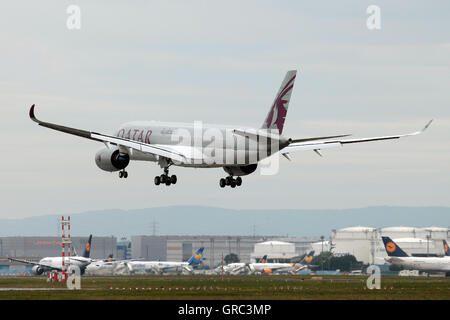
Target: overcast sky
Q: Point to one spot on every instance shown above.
(223, 62)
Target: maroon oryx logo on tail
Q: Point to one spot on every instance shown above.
(277, 114)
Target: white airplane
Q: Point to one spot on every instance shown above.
(107, 267)
(428, 264)
(235, 268)
(264, 267)
(164, 266)
(236, 149)
(49, 264)
(232, 268)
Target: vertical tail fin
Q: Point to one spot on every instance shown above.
(446, 251)
(308, 257)
(87, 250)
(263, 259)
(196, 258)
(277, 113)
(392, 249)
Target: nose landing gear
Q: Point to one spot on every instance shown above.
(230, 181)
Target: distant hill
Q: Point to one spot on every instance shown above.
(197, 220)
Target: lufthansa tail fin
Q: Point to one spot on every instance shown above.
(446, 251)
(87, 250)
(392, 249)
(196, 258)
(277, 113)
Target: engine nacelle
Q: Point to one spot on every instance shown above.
(111, 159)
(37, 270)
(240, 170)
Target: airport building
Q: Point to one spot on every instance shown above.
(366, 245)
(247, 248)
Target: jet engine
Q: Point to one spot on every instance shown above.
(240, 170)
(111, 159)
(37, 270)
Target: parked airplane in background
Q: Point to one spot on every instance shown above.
(428, 264)
(236, 149)
(263, 267)
(276, 268)
(108, 266)
(237, 267)
(49, 264)
(165, 266)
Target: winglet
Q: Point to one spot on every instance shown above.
(32, 116)
(422, 130)
(427, 125)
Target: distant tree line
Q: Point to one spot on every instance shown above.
(327, 261)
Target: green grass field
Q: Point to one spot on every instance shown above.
(231, 287)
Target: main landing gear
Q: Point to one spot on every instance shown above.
(165, 178)
(123, 174)
(230, 181)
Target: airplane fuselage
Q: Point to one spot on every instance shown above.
(205, 145)
(272, 267)
(55, 263)
(433, 264)
(155, 266)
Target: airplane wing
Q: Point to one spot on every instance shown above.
(303, 146)
(160, 150)
(255, 134)
(188, 269)
(34, 263)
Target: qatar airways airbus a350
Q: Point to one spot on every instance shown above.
(236, 149)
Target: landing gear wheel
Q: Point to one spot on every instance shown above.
(233, 183)
(222, 183)
(238, 181)
(165, 178)
(123, 174)
(228, 180)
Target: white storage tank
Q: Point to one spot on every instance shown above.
(401, 232)
(358, 241)
(276, 251)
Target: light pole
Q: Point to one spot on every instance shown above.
(321, 238)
